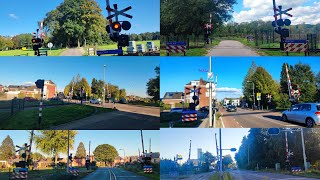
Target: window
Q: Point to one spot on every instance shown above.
(296, 107)
(318, 107)
(305, 107)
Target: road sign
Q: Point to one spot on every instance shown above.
(189, 115)
(258, 96)
(296, 45)
(179, 157)
(273, 131)
(176, 47)
(50, 45)
(115, 51)
(233, 149)
(117, 13)
(210, 76)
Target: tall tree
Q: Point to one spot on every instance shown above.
(246, 85)
(7, 150)
(153, 86)
(76, 23)
(36, 156)
(54, 142)
(105, 153)
(81, 151)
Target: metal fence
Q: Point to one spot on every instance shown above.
(195, 41)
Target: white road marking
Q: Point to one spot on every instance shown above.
(222, 122)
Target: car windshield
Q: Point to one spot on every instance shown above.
(231, 106)
(318, 107)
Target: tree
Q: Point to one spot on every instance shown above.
(246, 85)
(208, 158)
(122, 93)
(105, 153)
(54, 142)
(36, 156)
(97, 88)
(7, 150)
(76, 23)
(153, 86)
(227, 160)
(81, 151)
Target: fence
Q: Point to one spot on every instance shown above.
(193, 41)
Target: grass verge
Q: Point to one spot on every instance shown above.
(28, 119)
(226, 176)
(30, 52)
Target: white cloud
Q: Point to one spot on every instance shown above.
(263, 9)
(229, 90)
(13, 16)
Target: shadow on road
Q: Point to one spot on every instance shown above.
(241, 114)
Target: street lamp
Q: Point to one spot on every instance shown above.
(254, 100)
(220, 158)
(104, 85)
(124, 155)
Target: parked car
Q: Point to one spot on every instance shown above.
(95, 101)
(206, 109)
(30, 99)
(306, 113)
(178, 110)
(231, 108)
(225, 106)
(122, 101)
(55, 99)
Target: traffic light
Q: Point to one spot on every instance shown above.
(116, 26)
(285, 32)
(39, 83)
(126, 25)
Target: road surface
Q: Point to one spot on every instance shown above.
(112, 174)
(231, 48)
(117, 120)
(245, 118)
(252, 175)
(202, 176)
(73, 52)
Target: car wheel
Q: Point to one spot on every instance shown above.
(284, 118)
(309, 123)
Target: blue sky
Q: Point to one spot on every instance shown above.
(18, 16)
(130, 141)
(131, 73)
(178, 71)
(303, 11)
(177, 141)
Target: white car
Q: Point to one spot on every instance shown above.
(95, 101)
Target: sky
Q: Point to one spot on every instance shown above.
(177, 141)
(303, 11)
(18, 16)
(129, 140)
(130, 73)
(178, 71)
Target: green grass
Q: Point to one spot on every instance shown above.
(30, 52)
(226, 176)
(165, 118)
(28, 119)
(309, 173)
(7, 104)
(141, 103)
(137, 171)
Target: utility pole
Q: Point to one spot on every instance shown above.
(142, 143)
(150, 146)
(210, 94)
(221, 173)
(304, 151)
(31, 139)
(189, 151)
(89, 148)
(68, 161)
(104, 85)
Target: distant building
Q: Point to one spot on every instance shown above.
(1, 88)
(200, 154)
(231, 101)
(172, 98)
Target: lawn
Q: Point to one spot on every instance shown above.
(114, 46)
(28, 119)
(141, 103)
(30, 52)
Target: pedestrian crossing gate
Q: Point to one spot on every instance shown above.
(147, 169)
(19, 173)
(296, 46)
(176, 47)
(189, 115)
(74, 171)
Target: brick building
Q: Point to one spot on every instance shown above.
(204, 92)
(172, 98)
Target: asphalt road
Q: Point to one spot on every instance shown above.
(112, 174)
(231, 48)
(252, 175)
(254, 119)
(73, 52)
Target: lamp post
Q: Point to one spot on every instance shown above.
(124, 156)
(254, 99)
(104, 85)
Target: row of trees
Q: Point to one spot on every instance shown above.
(249, 28)
(186, 17)
(301, 75)
(54, 143)
(145, 36)
(95, 90)
(265, 151)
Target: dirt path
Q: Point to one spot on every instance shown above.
(73, 52)
(231, 48)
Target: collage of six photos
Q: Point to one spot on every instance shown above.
(160, 89)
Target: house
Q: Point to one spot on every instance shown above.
(231, 101)
(49, 91)
(204, 92)
(1, 88)
(81, 161)
(172, 98)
